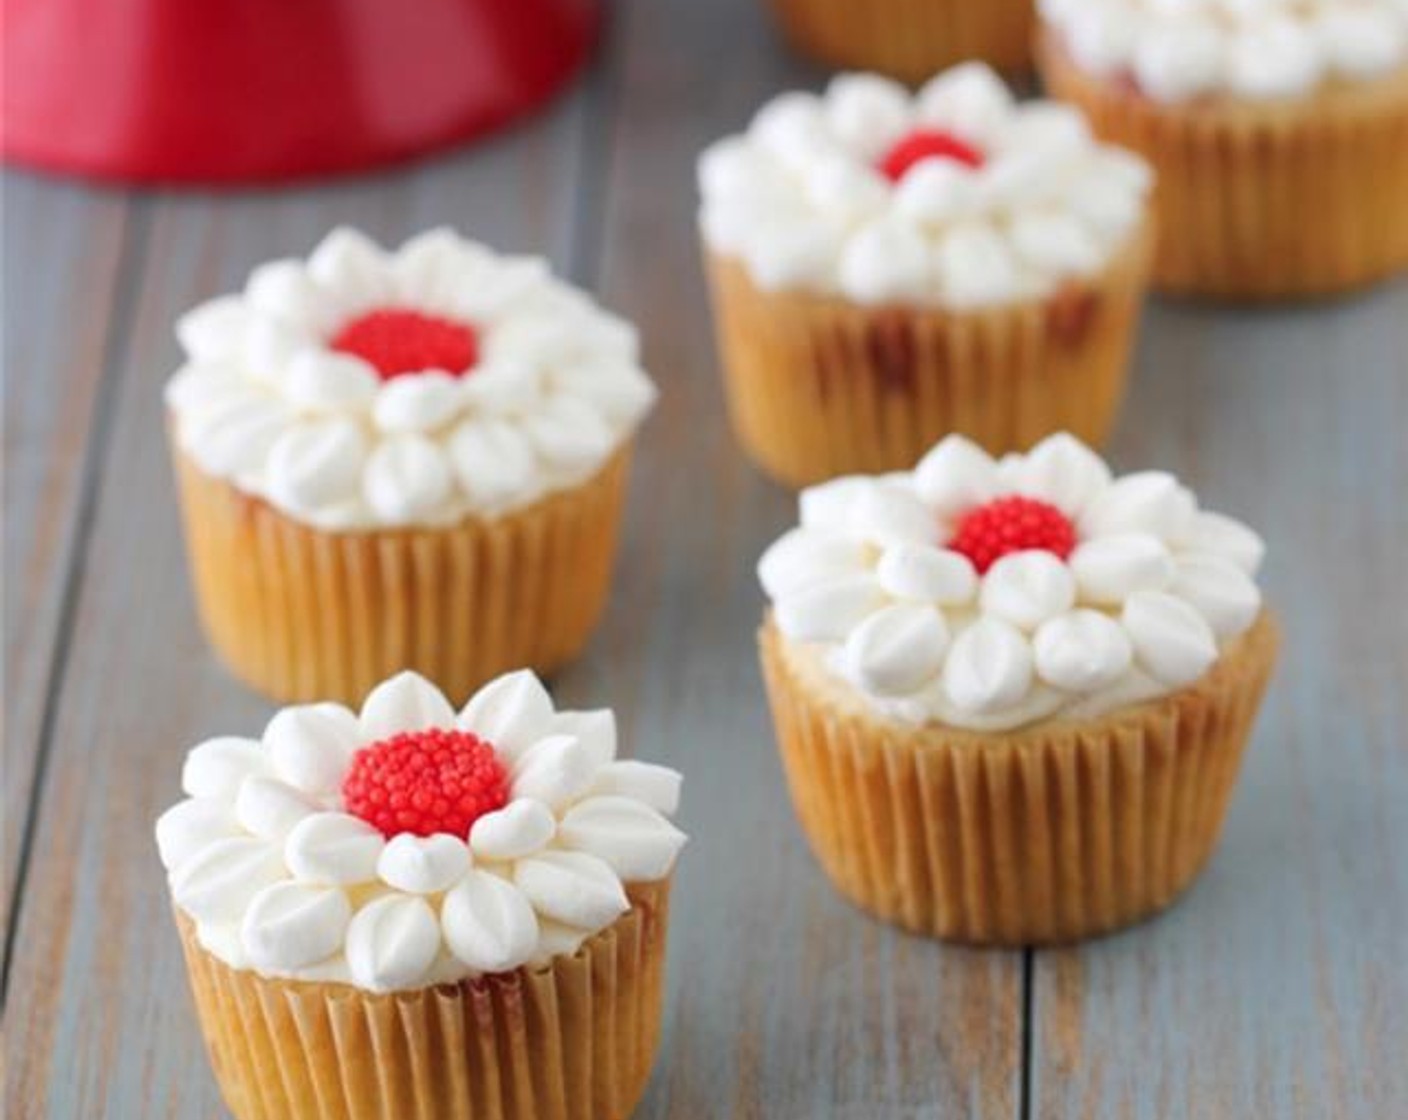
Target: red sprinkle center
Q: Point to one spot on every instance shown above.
(927, 143)
(424, 782)
(398, 341)
(1004, 525)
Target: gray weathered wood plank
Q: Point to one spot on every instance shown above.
(106, 1027)
(1277, 986)
(787, 1003)
(62, 246)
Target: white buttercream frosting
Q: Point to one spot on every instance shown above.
(802, 200)
(1151, 590)
(1175, 50)
(278, 876)
(266, 402)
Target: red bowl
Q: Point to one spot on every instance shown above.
(230, 91)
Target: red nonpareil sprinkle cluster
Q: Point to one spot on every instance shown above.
(425, 782)
(399, 341)
(1003, 525)
(927, 143)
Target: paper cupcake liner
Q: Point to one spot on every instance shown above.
(304, 614)
(573, 1040)
(911, 40)
(818, 386)
(1270, 200)
(1050, 833)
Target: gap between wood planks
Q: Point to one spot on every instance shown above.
(126, 289)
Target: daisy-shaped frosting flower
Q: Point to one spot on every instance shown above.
(409, 844)
(957, 195)
(363, 388)
(989, 594)
(1177, 50)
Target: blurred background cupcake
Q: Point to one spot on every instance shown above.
(410, 911)
(910, 39)
(402, 460)
(1278, 131)
(888, 268)
(1012, 695)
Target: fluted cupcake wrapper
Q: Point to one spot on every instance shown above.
(911, 40)
(572, 1040)
(819, 386)
(1050, 833)
(304, 614)
(1263, 200)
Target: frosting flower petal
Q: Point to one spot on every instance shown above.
(392, 942)
(488, 923)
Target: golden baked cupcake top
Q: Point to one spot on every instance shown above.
(1177, 50)
(410, 844)
(990, 594)
(957, 195)
(366, 389)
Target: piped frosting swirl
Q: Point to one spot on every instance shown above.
(315, 852)
(989, 594)
(365, 389)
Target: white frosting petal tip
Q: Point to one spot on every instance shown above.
(637, 842)
(519, 829)
(191, 825)
(311, 745)
(575, 888)
(422, 864)
(1027, 588)
(217, 767)
(289, 926)
(405, 702)
(1171, 639)
(512, 712)
(652, 785)
(488, 923)
(392, 942)
(334, 848)
(554, 770)
(989, 667)
(897, 649)
(216, 882)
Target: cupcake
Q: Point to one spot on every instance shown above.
(1012, 695)
(413, 912)
(401, 460)
(887, 269)
(910, 39)
(1278, 130)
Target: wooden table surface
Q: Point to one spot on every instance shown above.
(1277, 988)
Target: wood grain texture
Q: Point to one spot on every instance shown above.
(62, 246)
(1276, 988)
(101, 1023)
(786, 1003)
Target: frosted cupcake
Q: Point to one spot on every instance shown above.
(413, 911)
(1012, 695)
(886, 269)
(1277, 129)
(402, 460)
(910, 39)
